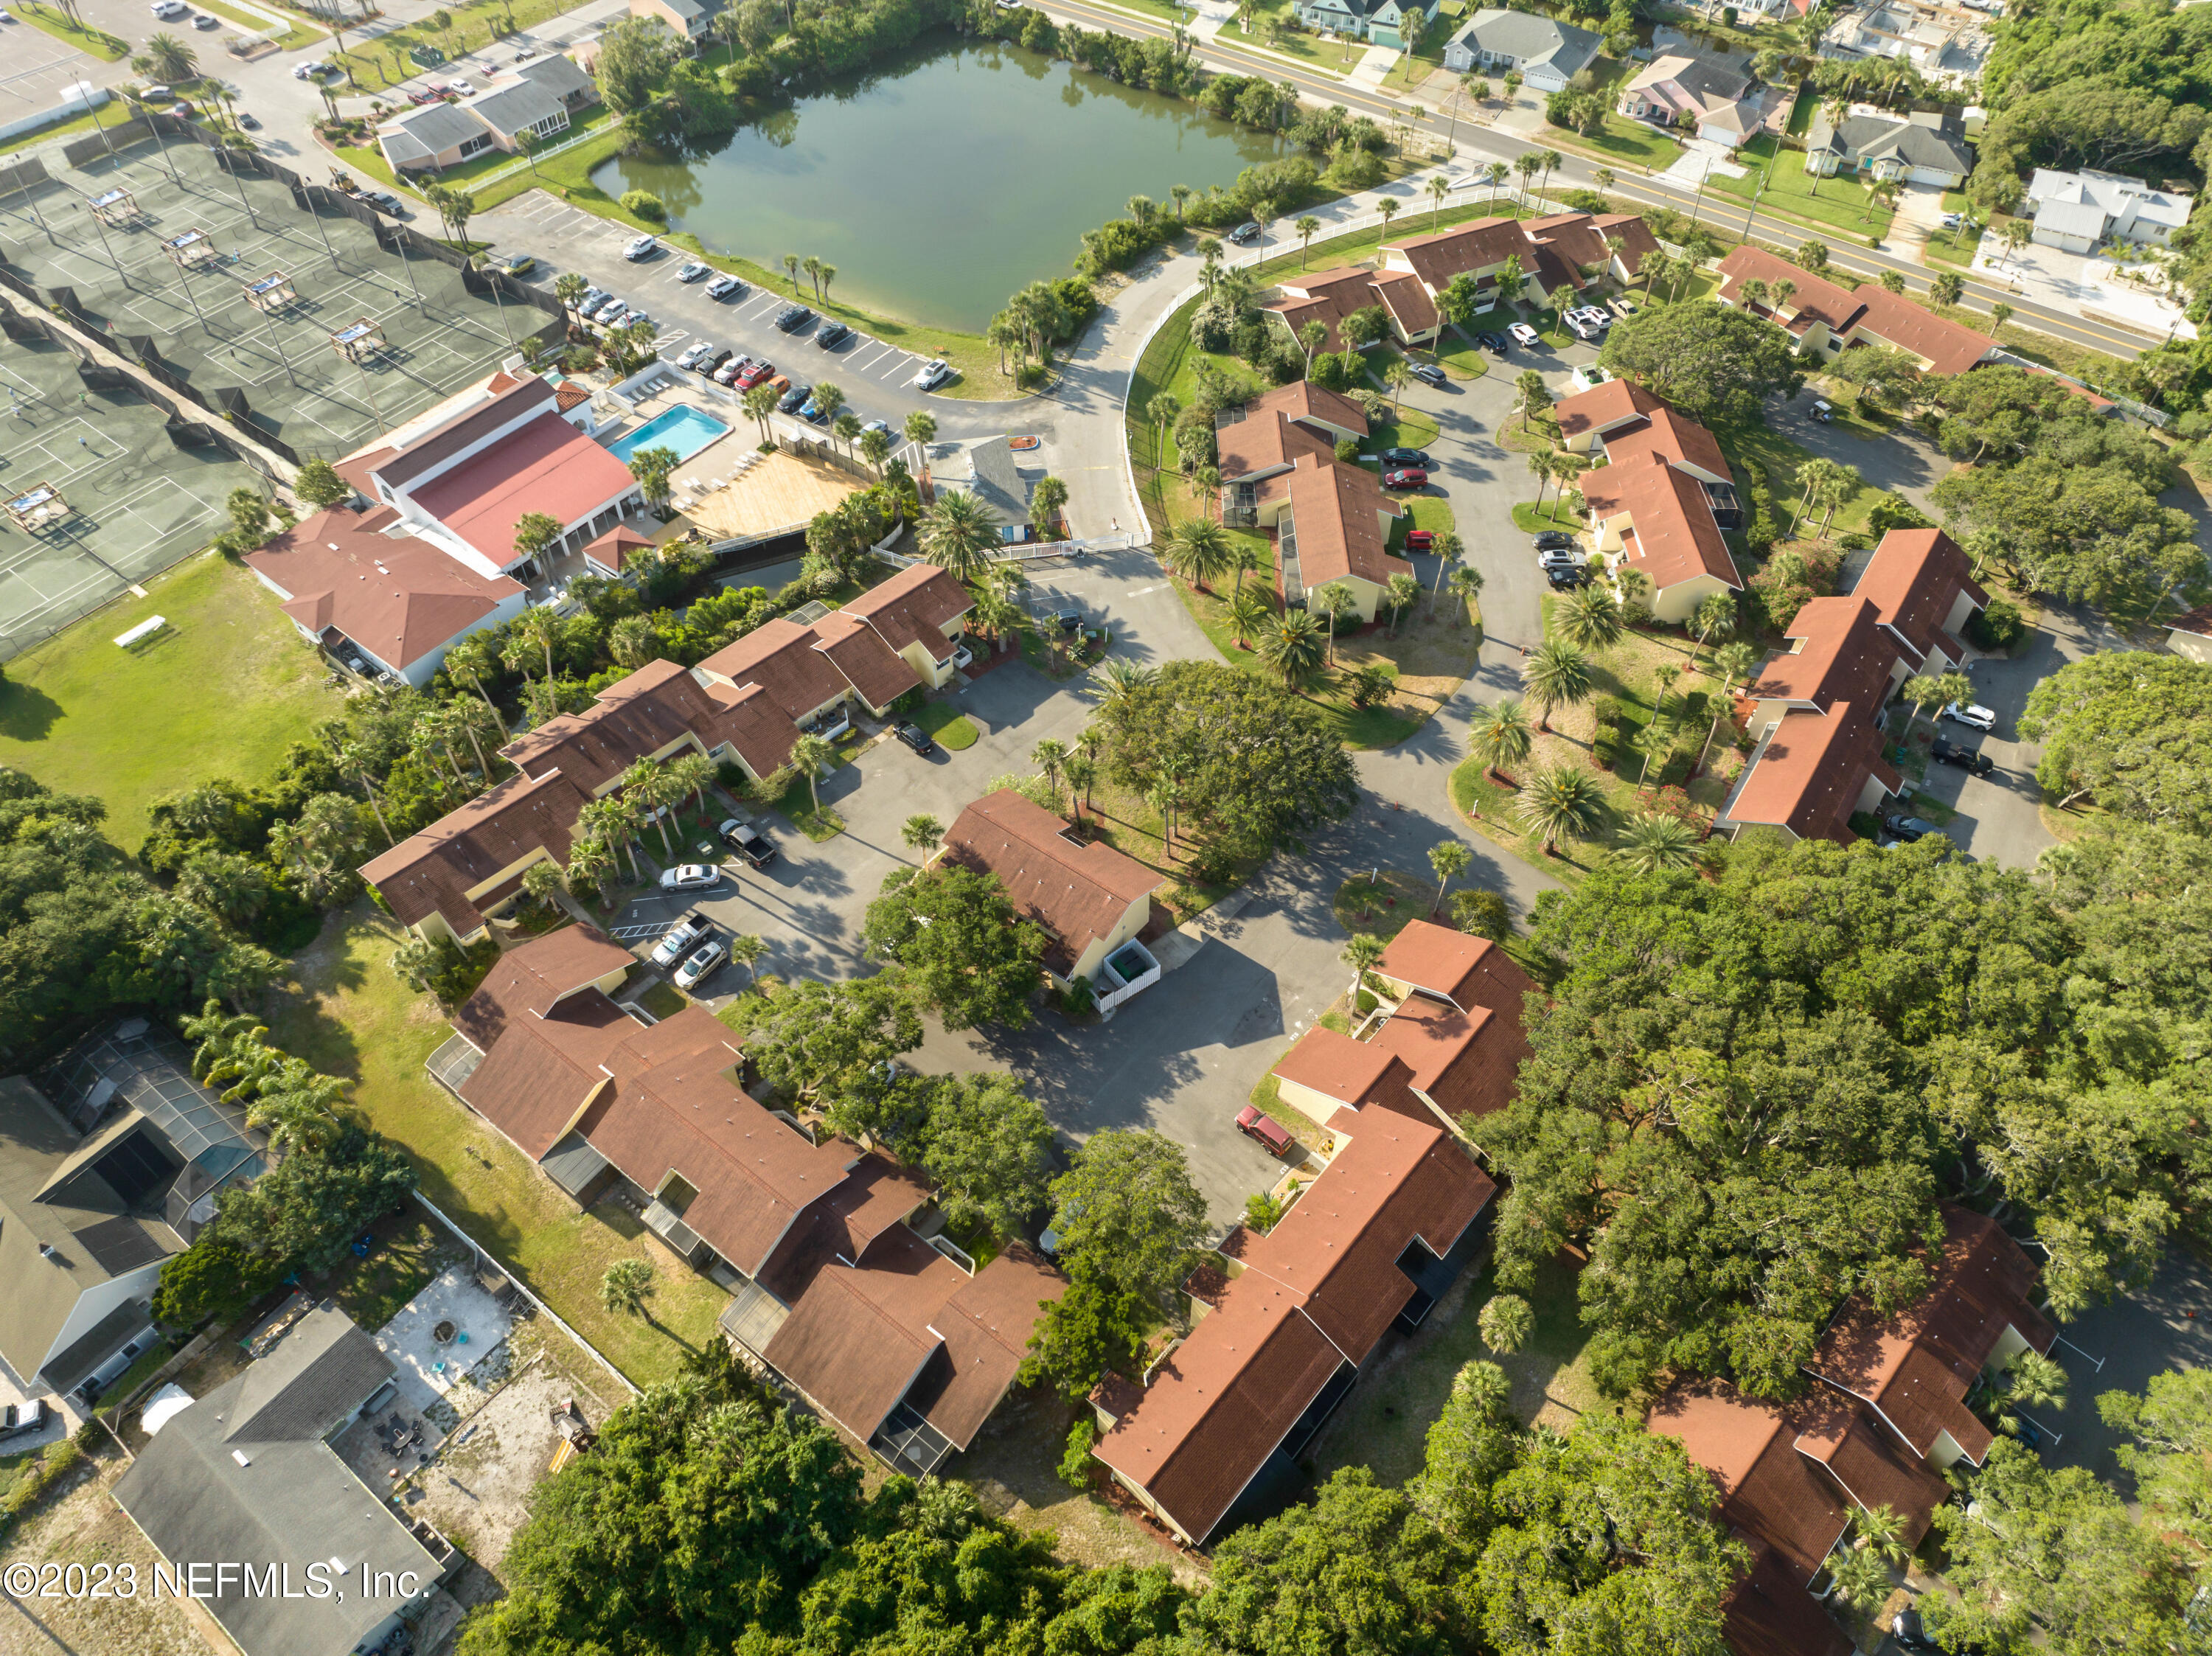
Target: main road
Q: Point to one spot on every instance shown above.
(1488, 143)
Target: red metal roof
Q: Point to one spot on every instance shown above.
(546, 465)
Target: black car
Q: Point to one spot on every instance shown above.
(1248, 231)
(1910, 828)
(1949, 753)
(794, 399)
(715, 361)
(1392, 458)
(1428, 374)
(1492, 342)
(249, 123)
(917, 739)
(832, 334)
(792, 318)
(1553, 540)
(748, 842)
(1565, 579)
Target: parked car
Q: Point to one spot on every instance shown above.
(794, 399)
(792, 318)
(695, 354)
(605, 305)
(1067, 620)
(1421, 540)
(1972, 714)
(1910, 828)
(1406, 477)
(1429, 374)
(18, 1420)
(1967, 759)
(1248, 231)
(1569, 557)
(1910, 1632)
(692, 271)
(883, 426)
(681, 938)
(203, 20)
(831, 334)
(592, 297)
(1565, 576)
(1402, 457)
(725, 286)
(917, 739)
(640, 247)
(248, 122)
(1820, 411)
(515, 264)
(933, 373)
(1552, 540)
(812, 412)
(1623, 306)
(691, 876)
(703, 964)
(165, 9)
(714, 364)
(1492, 342)
(728, 373)
(1523, 334)
(639, 319)
(1587, 321)
(465, 89)
(748, 841)
(756, 370)
(1266, 1129)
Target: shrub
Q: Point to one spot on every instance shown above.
(1262, 1212)
(644, 204)
(1347, 450)
(1865, 824)
(1075, 1464)
(1079, 1000)
(1482, 914)
(1998, 627)
(1605, 711)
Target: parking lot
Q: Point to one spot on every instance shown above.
(875, 377)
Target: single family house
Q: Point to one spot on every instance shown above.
(1923, 147)
(2077, 212)
(1380, 23)
(1548, 55)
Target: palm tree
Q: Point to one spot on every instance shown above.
(1495, 175)
(1588, 618)
(1927, 691)
(1557, 675)
(1049, 756)
(2031, 1379)
(1180, 193)
(1734, 660)
(1861, 1577)
(1658, 839)
(1311, 337)
(1635, 589)
(813, 758)
(536, 627)
(1882, 1529)
(1448, 858)
(1528, 167)
(1499, 735)
(1333, 600)
(1947, 287)
(1200, 550)
(746, 950)
(1530, 394)
(1305, 227)
(1247, 613)
(1388, 207)
(1123, 678)
(611, 823)
(1656, 737)
(1561, 800)
(1397, 375)
(590, 863)
(1439, 187)
(690, 773)
(1360, 955)
(1715, 617)
(297, 1107)
(1081, 771)
(1448, 547)
(812, 266)
(469, 663)
(1466, 585)
(957, 533)
(1601, 179)
(921, 832)
(168, 59)
(626, 1287)
(1291, 644)
(1550, 158)
(569, 288)
(760, 403)
(645, 789)
(1402, 591)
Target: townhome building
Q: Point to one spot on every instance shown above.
(1825, 320)
(842, 1281)
(1821, 710)
(1888, 1411)
(747, 705)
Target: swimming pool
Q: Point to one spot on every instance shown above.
(686, 429)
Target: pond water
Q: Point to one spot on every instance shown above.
(940, 185)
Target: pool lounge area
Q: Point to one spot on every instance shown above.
(684, 428)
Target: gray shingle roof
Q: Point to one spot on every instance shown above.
(437, 127)
(1871, 137)
(1530, 37)
(562, 76)
(201, 1492)
(318, 1375)
(512, 109)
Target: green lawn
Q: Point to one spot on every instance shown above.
(1554, 514)
(1801, 112)
(1462, 358)
(944, 721)
(221, 691)
(1749, 445)
(75, 126)
(99, 44)
(383, 61)
(301, 34)
(1403, 427)
(1427, 512)
(455, 178)
(347, 1014)
(1841, 203)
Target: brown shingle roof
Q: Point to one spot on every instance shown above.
(1467, 971)
(1266, 441)
(1675, 537)
(1334, 508)
(914, 607)
(656, 704)
(1472, 246)
(612, 550)
(1809, 775)
(1912, 581)
(1602, 408)
(1677, 440)
(1846, 656)
(1353, 1073)
(1327, 297)
(1466, 1062)
(1078, 894)
(1946, 347)
(780, 656)
(1304, 400)
(1408, 301)
(985, 1326)
(865, 660)
(1317, 1293)
(432, 871)
(1767, 1487)
(1916, 1367)
(1769, 1614)
(399, 599)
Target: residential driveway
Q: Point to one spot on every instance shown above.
(2117, 1348)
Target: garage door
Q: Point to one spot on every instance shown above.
(1931, 175)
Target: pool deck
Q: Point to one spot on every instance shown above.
(776, 492)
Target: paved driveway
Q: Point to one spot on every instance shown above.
(2117, 1348)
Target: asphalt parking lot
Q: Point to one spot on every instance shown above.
(875, 377)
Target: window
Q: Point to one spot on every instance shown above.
(474, 146)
